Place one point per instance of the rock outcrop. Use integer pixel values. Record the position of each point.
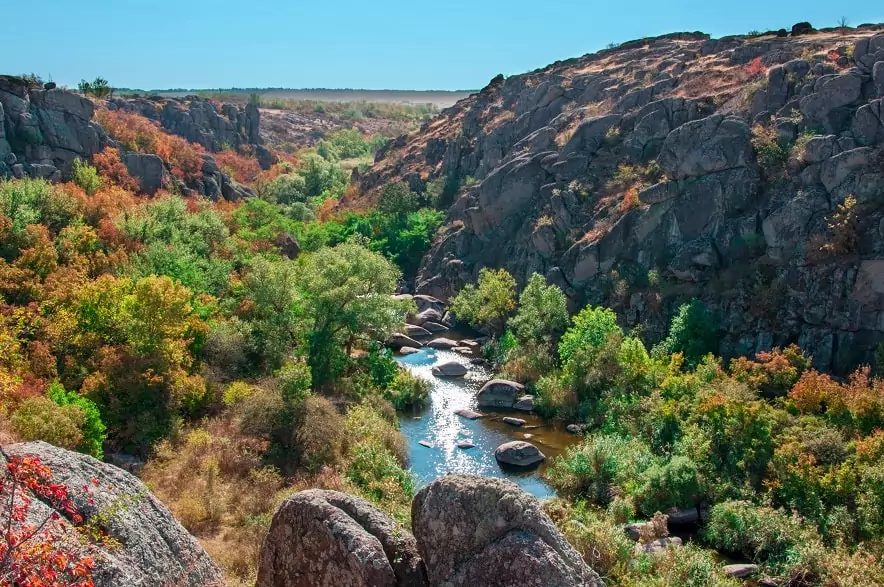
(481, 531)
(655, 158)
(468, 531)
(324, 538)
(42, 132)
(154, 549)
(199, 120)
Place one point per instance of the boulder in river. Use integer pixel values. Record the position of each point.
(468, 414)
(500, 393)
(399, 340)
(514, 421)
(320, 537)
(424, 302)
(465, 444)
(475, 531)
(434, 326)
(408, 350)
(576, 428)
(428, 315)
(416, 331)
(463, 350)
(524, 403)
(519, 454)
(450, 369)
(442, 343)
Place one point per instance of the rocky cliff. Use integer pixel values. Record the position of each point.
(746, 171)
(147, 545)
(42, 132)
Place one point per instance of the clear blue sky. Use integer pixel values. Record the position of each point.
(384, 44)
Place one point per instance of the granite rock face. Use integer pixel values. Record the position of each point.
(651, 157)
(154, 549)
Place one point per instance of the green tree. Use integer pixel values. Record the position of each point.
(489, 302)
(542, 314)
(93, 428)
(589, 331)
(346, 292)
(693, 332)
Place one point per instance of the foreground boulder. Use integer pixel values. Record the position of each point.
(154, 549)
(475, 531)
(324, 538)
(450, 369)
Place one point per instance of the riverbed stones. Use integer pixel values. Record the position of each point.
(576, 428)
(450, 369)
(500, 393)
(424, 302)
(434, 327)
(425, 443)
(399, 340)
(442, 343)
(475, 531)
(524, 403)
(407, 350)
(514, 421)
(416, 331)
(519, 453)
(465, 444)
(468, 414)
(428, 315)
(463, 350)
(320, 537)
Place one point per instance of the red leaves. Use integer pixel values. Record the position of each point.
(755, 67)
(39, 555)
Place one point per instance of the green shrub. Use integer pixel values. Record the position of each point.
(86, 176)
(693, 332)
(771, 155)
(758, 532)
(489, 302)
(294, 381)
(93, 429)
(688, 566)
(319, 435)
(589, 331)
(600, 467)
(664, 486)
(555, 397)
(543, 312)
(407, 391)
(39, 418)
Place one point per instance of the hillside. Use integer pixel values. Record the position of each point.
(675, 167)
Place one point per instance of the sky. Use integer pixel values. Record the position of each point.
(385, 44)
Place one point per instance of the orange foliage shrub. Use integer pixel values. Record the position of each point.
(110, 166)
(630, 200)
(857, 405)
(240, 167)
(754, 67)
(775, 371)
(138, 133)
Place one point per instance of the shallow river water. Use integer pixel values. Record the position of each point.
(438, 425)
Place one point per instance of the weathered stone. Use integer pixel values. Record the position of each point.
(416, 331)
(400, 340)
(499, 393)
(514, 421)
(658, 546)
(434, 327)
(154, 549)
(324, 538)
(479, 531)
(148, 169)
(465, 444)
(524, 403)
(288, 245)
(450, 369)
(519, 454)
(442, 343)
(706, 146)
(739, 570)
(407, 350)
(468, 414)
(831, 92)
(428, 315)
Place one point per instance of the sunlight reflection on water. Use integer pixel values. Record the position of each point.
(439, 425)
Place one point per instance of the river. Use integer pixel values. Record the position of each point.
(437, 424)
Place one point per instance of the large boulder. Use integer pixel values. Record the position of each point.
(831, 92)
(518, 453)
(154, 549)
(148, 169)
(442, 343)
(500, 393)
(705, 146)
(450, 369)
(480, 531)
(324, 538)
(398, 341)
